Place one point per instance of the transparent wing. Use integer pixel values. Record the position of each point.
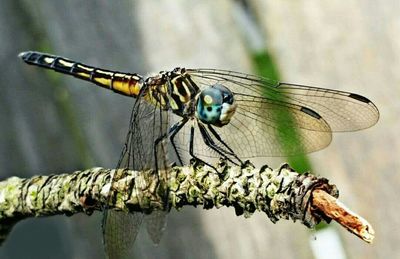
(270, 113)
(343, 111)
(155, 224)
(120, 229)
(160, 124)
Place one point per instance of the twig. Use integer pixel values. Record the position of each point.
(334, 209)
(280, 194)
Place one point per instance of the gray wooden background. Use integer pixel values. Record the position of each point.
(51, 123)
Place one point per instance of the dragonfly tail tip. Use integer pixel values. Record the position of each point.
(22, 54)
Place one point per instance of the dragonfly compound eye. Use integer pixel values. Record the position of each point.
(215, 105)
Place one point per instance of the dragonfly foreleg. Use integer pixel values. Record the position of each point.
(218, 137)
(211, 144)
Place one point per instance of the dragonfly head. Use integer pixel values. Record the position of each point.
(215, 105)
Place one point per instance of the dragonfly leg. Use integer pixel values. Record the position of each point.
(173, 131)
(218, 137)
(191, 148)
(211, 144)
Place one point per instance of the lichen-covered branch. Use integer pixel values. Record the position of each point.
(280, 193)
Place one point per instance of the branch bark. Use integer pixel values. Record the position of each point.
(280, 194)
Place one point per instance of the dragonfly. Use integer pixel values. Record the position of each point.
(207, 114)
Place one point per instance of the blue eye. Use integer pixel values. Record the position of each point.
(210, 103)
(208, 113)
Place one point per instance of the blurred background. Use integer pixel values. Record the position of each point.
(51, 123)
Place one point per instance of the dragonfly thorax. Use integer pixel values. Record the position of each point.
(215, 105)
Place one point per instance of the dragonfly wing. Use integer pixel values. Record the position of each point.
(147, 124)
(120, 230)
(256, 132)
(155, 224)
(276, 119)
(159, 124)
(268, 128)
(343, 111)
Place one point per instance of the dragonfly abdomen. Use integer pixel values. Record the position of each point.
(122, 83)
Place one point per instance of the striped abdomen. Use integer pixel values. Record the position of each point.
(123, 83)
